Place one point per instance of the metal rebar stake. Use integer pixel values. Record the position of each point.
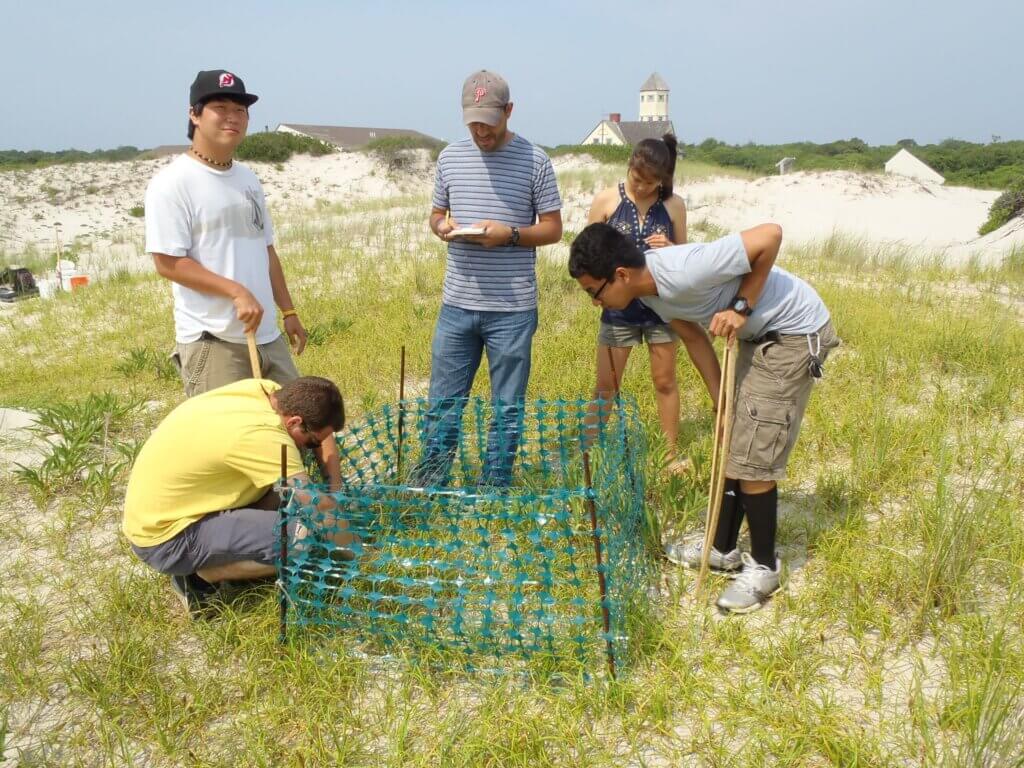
(601, 583)
(630, 469)
(283, 634)
(401, 418)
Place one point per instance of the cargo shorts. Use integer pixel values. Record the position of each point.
(773, 385)
(209, 362)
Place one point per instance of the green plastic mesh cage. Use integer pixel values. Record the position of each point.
(481, 528)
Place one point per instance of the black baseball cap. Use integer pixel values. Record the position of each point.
(214, 83)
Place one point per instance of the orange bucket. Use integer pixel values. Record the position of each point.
(79, 281)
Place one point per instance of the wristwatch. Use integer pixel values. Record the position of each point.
(741, 306)
(513, 239)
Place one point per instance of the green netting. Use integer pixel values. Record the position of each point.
(471, 530)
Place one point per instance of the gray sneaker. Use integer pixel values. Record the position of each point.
(689, 556)
(752, 587)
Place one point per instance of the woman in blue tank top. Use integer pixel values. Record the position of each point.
(644, 208)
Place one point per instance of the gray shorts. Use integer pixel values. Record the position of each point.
(632, 335)
(218, 539)
(773, 385)
(210, 362)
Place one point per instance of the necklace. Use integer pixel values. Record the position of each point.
(210, 160)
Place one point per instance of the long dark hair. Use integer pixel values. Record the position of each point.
(657, 157)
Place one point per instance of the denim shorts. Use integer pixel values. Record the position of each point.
(633, 335)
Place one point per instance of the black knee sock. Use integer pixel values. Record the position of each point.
(762, 511)
(730, 516)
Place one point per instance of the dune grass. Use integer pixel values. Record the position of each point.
(897, 640)
(608, 174)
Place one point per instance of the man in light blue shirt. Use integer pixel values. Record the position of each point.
(504, 187)
(731, 287)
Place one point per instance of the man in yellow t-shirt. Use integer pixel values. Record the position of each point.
(200, 505)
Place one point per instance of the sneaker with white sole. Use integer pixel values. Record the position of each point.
(689, 556)
(752, 587)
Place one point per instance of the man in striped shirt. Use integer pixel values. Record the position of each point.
(496, 182)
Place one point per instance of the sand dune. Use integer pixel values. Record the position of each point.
(98, 205)
(887, 210)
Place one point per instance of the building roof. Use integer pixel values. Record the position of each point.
(907, 164)
(348, 137)
(654, 83)
(635, 131)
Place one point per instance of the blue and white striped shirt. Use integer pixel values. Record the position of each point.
(512, 185)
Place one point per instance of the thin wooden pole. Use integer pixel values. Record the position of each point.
(719, 456)
(401, 416)
(283, 635)
(254, 355)
(601, 583)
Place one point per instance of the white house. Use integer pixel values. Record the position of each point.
(905, 164)
(654, 121)
(619, 133)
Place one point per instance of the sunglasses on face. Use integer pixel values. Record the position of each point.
(312, 440)
(597, 294)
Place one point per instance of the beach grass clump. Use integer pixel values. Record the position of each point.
(398, 153)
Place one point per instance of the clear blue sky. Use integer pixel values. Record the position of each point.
(101, 74)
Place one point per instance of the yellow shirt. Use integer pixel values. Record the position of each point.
(218, 450)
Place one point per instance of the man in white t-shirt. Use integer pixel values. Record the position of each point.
(731, 287)
(210, 234)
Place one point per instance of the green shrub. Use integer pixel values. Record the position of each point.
(277, 146)
(394, 151)
(603, 153)
(986, 166)
(1006, 206)
(138, 211)
(12, 159)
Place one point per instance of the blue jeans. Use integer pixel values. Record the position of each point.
(460, 337)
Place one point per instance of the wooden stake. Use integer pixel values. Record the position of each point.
(254, 355)
(601, 583)
(719, 456)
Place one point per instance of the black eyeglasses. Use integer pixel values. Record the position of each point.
(313, 440)
(597, 294)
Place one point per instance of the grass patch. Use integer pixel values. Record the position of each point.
(898, 639)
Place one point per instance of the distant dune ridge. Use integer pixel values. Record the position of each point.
(101, 203)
